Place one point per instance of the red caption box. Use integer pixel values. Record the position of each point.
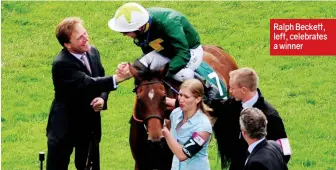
(303, 37)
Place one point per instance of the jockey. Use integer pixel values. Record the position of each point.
(164, 35)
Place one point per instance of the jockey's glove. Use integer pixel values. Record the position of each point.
(211, 92)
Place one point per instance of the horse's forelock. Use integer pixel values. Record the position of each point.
(144, 72)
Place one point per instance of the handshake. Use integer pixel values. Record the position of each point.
(123, 72)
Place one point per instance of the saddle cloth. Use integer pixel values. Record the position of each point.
(207, 72)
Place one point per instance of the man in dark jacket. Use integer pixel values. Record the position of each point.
(263, 154)
(81, 92)
(245, 94)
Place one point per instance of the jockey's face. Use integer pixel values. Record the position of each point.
(130, 34)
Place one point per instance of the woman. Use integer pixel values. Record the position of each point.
(190, 129)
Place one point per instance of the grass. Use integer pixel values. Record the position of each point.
(301, 88)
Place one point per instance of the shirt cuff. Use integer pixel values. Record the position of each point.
(114, 82)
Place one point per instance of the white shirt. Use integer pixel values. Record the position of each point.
(78, 56)
(253, 145)
(251, 102)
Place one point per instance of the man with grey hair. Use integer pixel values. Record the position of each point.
(264, 154)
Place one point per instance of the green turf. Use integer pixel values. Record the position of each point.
(301, 88)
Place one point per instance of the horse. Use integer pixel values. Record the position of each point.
(149, 148)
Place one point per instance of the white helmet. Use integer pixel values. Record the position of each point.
(129, 17)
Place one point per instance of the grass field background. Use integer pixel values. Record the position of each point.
(301, 88)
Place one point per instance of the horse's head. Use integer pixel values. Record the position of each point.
(150, 99)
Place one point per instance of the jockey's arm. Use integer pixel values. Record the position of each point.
(178, 40)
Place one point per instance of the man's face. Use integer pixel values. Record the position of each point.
(236, 91)
(129, 34)
(79, 40)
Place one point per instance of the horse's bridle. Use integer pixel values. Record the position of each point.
(151, 115)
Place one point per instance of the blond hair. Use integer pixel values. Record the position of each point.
(245, 77)
(197, 90)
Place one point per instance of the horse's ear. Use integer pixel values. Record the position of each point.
(134, 72)
(164, 70)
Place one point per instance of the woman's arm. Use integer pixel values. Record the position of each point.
(177, 149)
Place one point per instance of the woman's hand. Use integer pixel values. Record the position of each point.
(165, 132)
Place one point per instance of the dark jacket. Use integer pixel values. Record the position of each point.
(267, 155)
(231, 145)
(71, 114)
(172, 35)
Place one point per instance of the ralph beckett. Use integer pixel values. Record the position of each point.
(297, 26)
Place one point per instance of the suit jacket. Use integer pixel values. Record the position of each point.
(71, 114)
(267, 155)
(231, 145)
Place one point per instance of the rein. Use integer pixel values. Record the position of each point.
(171, 87)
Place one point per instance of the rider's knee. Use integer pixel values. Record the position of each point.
(184, 74)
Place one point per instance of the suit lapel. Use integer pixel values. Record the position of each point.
(70, 58)
(258, 147)
(67, 56)
(260, 101)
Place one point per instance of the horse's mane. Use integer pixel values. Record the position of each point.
(145, 73)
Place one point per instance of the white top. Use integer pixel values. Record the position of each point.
(251, 102)
(253, 145)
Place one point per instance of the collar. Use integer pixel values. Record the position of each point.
(147, 27)
(78, 56)
(251, 102)
(143, 41)
(253, 145)
(193, 118)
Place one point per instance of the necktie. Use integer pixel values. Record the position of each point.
(86, 62)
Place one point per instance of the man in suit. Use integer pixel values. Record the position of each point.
(244, 94)
(81, 92)
(264, 154)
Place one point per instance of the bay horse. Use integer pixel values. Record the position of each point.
(149, 149)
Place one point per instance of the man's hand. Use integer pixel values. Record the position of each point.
(123, 72)
(120, 67)
(97, 104)
(170, 103)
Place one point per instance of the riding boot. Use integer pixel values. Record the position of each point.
(210, 90)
